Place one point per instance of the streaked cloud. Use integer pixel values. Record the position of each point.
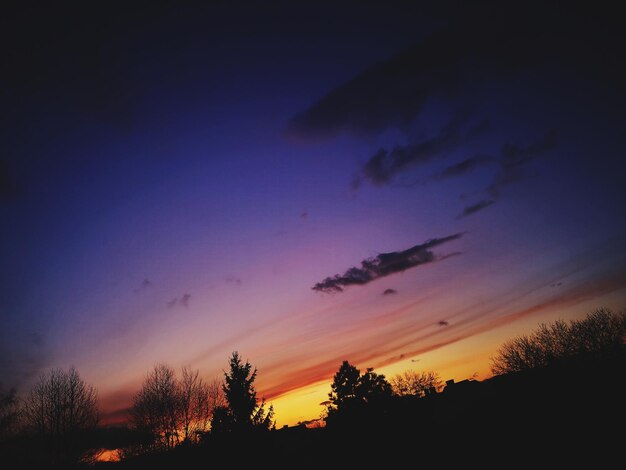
(384, 265)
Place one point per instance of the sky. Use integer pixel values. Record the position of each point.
(404, 185)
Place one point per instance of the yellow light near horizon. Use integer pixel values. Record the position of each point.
(108, 455)
(301, 405)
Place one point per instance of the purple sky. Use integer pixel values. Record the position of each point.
(304, 183)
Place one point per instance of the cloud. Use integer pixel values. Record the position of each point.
(183, 301)
(473, 46)
(233, 280)
(465, 166)
(513, 158)
(383, 165)
(442, 323)
(473, 208)
(145, 284)
(383, 265)
(390, 292)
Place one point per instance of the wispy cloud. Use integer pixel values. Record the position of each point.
(145, 284)
(473, 208)
(183, 301)
(233, 280)
(383, 265)
(511, 162)
(465, 166)
(384, 165)
(513, 159)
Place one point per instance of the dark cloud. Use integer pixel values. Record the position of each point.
(513, 158)
(511, 162)
(390, 292)
(465, 166)
(145, 284)
(383, 265)
(442, 323)
(472, 209)
(183, 301)
(475, 43)
(304, 215)
(383, 165)
(233, 280)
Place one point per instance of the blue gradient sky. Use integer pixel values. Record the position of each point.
(175, 181)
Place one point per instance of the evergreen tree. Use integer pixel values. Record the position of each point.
(243, 413)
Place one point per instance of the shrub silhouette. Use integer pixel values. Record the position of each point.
(600, 334)
(412, 383)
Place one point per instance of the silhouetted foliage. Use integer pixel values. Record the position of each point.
(9, 413)
(373, 387)
(243, 413)
(412, 383)
(351, 391)
(59, 411)
(343, 387)
(599, 334)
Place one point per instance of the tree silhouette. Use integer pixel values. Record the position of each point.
(344, 387)
(197, 401)
(59, 410)
(9, 412)
(156, 408)
(243, 413)
(373, 387)
(412, 383)
(351, 391)
(600, 334)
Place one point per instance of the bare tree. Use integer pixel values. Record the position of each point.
(602, 332)
(9, 412)
(197, 402)
(156, 407)
(415, 383)
(59, 409)
(216, 394)
(172, 410)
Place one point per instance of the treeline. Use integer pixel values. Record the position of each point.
(56, 422)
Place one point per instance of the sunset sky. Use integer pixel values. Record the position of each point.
(402, 186)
